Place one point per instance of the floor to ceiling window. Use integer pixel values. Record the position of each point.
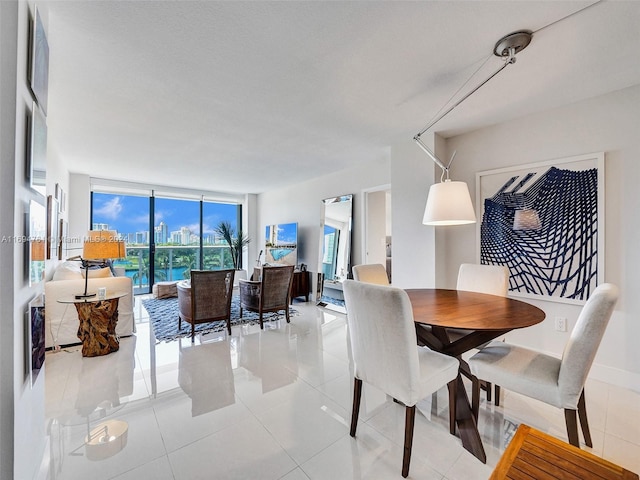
(181, 237)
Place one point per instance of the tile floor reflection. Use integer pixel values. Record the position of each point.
(275, 404)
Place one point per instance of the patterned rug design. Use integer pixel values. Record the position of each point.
(163, 316)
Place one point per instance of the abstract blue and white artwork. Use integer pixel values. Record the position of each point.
(545, 222)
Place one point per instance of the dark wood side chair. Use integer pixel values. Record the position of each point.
(207, 299)
(271, 293)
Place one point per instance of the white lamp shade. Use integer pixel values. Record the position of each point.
(527, 219)
(449, 203)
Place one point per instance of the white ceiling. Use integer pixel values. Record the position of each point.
(249, 96)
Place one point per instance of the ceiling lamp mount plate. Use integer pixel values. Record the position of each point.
(512, 43)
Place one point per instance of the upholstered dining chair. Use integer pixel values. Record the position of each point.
(386, 355)
(489, 279)
(269, 294)
(207, 298)
(556, 381)
(370, 273)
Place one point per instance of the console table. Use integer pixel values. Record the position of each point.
(300, 284)
(98, 319)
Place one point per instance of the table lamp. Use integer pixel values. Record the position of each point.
(99, 245)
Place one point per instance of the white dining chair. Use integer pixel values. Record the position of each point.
(489, 279)
(555, 381)
(371, 273)
(386, 355)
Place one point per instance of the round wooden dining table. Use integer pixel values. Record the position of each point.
(483, 318)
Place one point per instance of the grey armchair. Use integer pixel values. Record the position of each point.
(269, 294)
(556, 381)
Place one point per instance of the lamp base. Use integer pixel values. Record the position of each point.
(85, 295)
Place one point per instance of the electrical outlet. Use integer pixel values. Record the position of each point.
(561, 324)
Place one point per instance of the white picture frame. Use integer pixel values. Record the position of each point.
(545, 222)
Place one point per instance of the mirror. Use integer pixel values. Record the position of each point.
(334, 263)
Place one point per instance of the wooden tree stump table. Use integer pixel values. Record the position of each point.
(97, 328)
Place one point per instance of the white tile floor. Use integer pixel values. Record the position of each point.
(276, 405)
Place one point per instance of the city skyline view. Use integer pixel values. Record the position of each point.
(129, 216)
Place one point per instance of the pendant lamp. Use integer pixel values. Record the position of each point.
(449, 202)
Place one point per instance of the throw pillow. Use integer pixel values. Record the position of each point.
(98, 273)
(67, 271)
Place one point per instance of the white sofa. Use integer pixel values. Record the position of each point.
(61, 319)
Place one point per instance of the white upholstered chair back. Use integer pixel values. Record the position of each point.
(371, 273)
(490, 279)
(385, 353)
(583, 343)
(383, 339)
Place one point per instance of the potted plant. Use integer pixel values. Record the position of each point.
(236, 242)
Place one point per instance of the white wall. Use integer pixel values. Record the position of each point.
(608, 123)
(8, 74)
(22, 440)
(413, 250)
(301, 203)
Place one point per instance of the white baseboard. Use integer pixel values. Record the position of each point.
(615, 376)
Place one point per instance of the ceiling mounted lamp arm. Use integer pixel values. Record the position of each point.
(449, 203)
(507, 47)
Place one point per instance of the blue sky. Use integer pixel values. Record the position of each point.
(287, 232)
(130, 214)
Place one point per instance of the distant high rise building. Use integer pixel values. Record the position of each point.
(161, 233)
(208, 239)
(142, 238)
(176, 237)
(100, 226)
(186, 236)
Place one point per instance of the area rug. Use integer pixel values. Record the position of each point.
(163, 317)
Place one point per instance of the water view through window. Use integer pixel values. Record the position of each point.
(179, 243)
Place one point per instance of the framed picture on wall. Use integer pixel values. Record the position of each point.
(545, 222)
(36, 336)
(37, 150)
(39, 65)
(52, 228)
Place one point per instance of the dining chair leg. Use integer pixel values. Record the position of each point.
(489, 389)
(286, 313)
(261, 323)
(229, 325)
(193, 332)
(357, 394)
(475, 397)
(584, 423)
(497, 396)
(453, 393)
(572, 426)
(410, 417)
(179, 322)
